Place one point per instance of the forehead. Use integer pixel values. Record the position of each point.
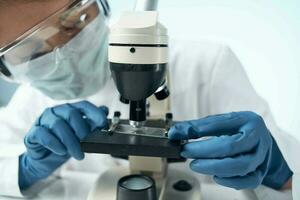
(18, 16)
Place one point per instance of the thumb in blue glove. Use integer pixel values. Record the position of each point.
(55, 138)
(239, 152)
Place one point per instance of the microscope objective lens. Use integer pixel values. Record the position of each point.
(137, 183)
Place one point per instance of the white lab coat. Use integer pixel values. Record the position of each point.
(206, 78)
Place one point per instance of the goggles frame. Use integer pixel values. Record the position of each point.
(104, 6)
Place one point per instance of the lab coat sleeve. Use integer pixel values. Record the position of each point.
(15, 121)
(9, 178)
(231, 90)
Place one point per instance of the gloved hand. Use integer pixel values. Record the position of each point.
(55, 138)
(239, 152)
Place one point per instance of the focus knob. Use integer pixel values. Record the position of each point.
(162, 94)
(123, 100)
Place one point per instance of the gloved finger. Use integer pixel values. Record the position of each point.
(62, 131)
(75, 119)
(40, 138)
(249, 181)
(97, 117)
(210, 126)
(105, 109)
(220, 147)
(230, 166)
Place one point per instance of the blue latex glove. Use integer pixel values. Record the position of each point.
(55, 138)
(240, 152)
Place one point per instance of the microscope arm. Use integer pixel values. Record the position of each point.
(146, 5)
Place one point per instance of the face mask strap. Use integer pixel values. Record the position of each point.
(3, 69)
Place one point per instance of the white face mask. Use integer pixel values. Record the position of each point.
(78, 69)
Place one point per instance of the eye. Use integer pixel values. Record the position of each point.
(74, 19)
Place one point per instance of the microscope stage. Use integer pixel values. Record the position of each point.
(128, 141)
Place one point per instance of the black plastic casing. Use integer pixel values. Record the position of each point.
(136, 82)
(142, 194)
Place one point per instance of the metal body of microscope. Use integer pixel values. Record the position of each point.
(138, 56)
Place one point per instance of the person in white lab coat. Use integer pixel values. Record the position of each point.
(63, 60)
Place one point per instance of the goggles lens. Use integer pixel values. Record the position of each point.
(53, 33)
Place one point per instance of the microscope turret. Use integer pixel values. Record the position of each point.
(138, 56)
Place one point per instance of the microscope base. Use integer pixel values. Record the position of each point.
(106, 186)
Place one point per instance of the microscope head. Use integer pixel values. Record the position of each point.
(138, 57)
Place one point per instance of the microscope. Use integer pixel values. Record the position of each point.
(138, 57)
